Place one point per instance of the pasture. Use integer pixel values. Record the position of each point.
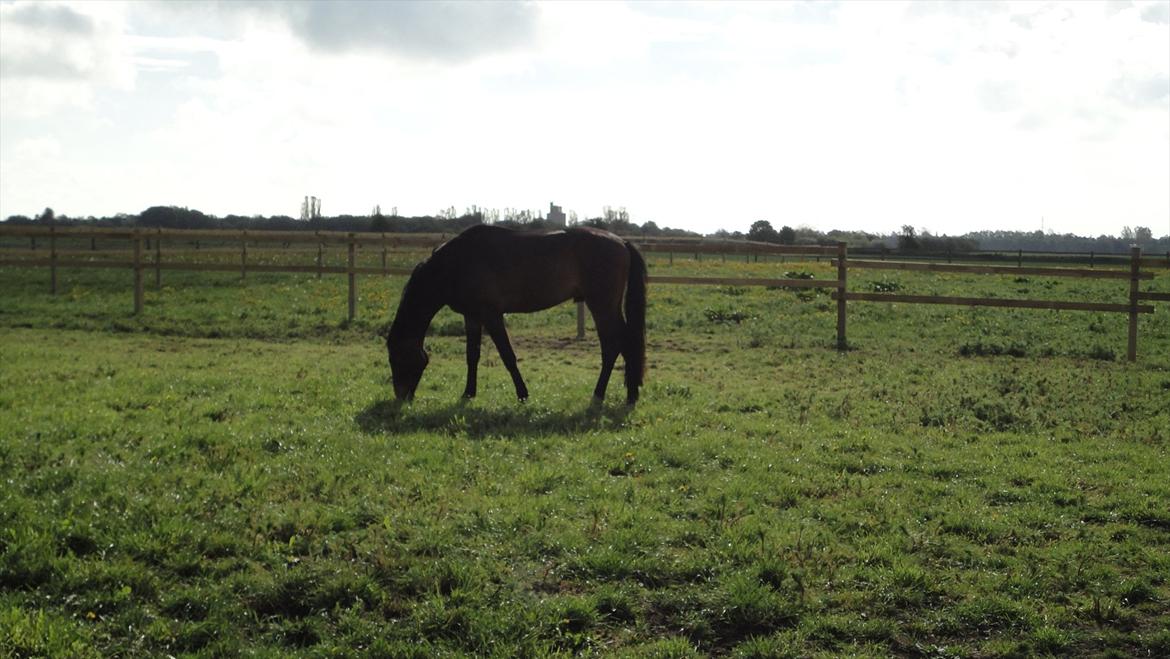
(225, 475)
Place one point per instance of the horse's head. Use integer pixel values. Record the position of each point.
(408, 359)
(404, 342)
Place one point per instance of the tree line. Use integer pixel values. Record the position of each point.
(910, 239)
(618, 220)
(446, 221)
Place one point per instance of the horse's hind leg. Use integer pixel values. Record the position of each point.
(609, 331)
(474, 331)
(499, 334)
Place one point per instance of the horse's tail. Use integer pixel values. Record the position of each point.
(634, 343)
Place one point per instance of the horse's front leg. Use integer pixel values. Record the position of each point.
(499, 334)
(474, 330)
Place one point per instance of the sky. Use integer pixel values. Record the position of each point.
(948, 117)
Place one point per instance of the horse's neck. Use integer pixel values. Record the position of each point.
(420, 319)
(420, 309)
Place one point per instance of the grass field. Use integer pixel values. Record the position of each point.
(225, 475)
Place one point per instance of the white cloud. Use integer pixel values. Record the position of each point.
(1157, 13)
(952, 116)
(55, 56)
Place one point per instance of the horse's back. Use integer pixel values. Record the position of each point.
(517, 271)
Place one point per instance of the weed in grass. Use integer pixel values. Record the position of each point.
(884, 286)
(726, 315)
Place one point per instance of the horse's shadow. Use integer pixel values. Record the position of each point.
(466, 419)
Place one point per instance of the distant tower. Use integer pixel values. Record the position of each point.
(310, 208)
(556, 216)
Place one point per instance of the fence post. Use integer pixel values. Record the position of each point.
(1020, 258)
(1135, 261)
(383, 252)
(842, 344)
(1091, 259)
(243, 254)
(320, 256)
(137, 272)
(157, 259)
(52, 260)
(352, 283)
(580, 320)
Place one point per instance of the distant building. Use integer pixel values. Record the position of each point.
(556, 216)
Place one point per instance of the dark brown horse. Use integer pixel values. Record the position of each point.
(486, 272)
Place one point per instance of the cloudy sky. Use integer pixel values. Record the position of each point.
(855, 115)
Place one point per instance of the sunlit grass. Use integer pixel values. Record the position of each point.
(226, 474)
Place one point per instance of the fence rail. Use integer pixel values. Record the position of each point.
(228, 235)
(141, 240)
(1010, 303)
(1018, 256)
(998, 270)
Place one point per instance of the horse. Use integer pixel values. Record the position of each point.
(488, 271)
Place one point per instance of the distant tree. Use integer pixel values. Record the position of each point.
(623, 227)
(46, 216)
(787, 235)
(649, 228)
(379, 223)
(762, 231)
(173, 217)
(907, 239)
(1142, 235)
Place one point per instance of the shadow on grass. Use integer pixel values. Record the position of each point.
(394, 417)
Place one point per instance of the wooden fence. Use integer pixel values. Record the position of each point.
(142, 241)
(1133, 307)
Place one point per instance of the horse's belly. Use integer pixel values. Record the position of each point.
(535, 301)
(491, 294)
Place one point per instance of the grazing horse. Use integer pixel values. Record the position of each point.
(486, 272)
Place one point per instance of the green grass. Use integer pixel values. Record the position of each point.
(225, 475)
